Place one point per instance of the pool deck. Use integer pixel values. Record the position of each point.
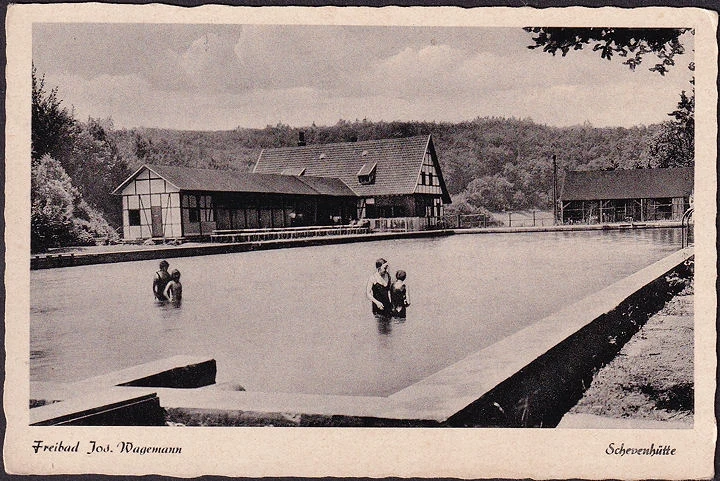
(530, 378)
(127, 253)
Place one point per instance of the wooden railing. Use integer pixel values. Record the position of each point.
(256, 235)
(405, 224)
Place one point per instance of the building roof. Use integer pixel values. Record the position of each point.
(397, 163)
(209, 180)
(628, 184)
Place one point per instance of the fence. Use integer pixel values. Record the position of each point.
(502, 219)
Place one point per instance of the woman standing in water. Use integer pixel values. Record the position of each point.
(161, 279)
(378, 289)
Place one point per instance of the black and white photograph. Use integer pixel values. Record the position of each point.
(360, 241)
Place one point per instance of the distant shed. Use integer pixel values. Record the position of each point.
(635, 195)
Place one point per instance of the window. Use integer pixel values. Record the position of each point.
(194, 214)
(366, 174)
(134, 217)
(206, 209)
(438, 207)
(199, 208)
(391, 211)
(190, 204)
(422, 178)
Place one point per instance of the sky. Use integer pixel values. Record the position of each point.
(221, 77)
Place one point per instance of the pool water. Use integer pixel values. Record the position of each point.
(297, 320)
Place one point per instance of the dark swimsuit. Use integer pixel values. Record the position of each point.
(380, 293)
(161, 280)
(398, 300)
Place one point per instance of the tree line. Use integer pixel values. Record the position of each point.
(489, 163)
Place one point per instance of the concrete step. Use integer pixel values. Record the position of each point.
(180, 372)
(110, 407)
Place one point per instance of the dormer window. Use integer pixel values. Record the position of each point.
(366, 174)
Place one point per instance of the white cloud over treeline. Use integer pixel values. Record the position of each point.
(222, 76)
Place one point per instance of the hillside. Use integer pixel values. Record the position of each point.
(489, 162)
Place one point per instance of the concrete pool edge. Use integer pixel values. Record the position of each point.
(51, 261)
(532, 377)
(527, 379)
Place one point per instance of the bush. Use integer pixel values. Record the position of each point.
(59, 216)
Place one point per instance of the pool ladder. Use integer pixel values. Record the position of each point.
(685, 228)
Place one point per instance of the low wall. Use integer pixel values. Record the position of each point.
(568, 228)
(50, 261)
(105, 401)
(542, 392)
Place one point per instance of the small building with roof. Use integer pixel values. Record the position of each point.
(313, 185)
(635, 195)
(162, 201)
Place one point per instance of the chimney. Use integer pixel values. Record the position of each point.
(301, 138)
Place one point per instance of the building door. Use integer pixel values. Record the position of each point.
(156, 214)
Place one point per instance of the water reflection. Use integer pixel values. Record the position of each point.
(385, 324)
(174, 304)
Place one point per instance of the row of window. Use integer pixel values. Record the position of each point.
(199, 208)
(426, 178)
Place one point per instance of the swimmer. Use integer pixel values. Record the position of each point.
(173, 290)
(399, 295)
(162, 277)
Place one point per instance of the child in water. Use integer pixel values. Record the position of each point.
(399, 295)
(173, 290)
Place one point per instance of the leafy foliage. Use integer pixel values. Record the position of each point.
(96, 167)
(674, 144)
(75, 167)
(630, 43)
(58, 214)
(488, 162)
(53, 127)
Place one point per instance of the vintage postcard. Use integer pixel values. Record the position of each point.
(352, 241)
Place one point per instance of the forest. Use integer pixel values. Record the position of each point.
(489, 163)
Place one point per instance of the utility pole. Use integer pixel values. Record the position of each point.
(554, 159)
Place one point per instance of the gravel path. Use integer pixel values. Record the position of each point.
(649, 384)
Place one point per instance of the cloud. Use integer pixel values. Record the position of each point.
(211, 64)
(223, 76)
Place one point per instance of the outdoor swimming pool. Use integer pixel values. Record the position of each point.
(297, 320)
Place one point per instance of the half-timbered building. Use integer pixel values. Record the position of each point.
(161, 201)
(313, 185)
(390, 177)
